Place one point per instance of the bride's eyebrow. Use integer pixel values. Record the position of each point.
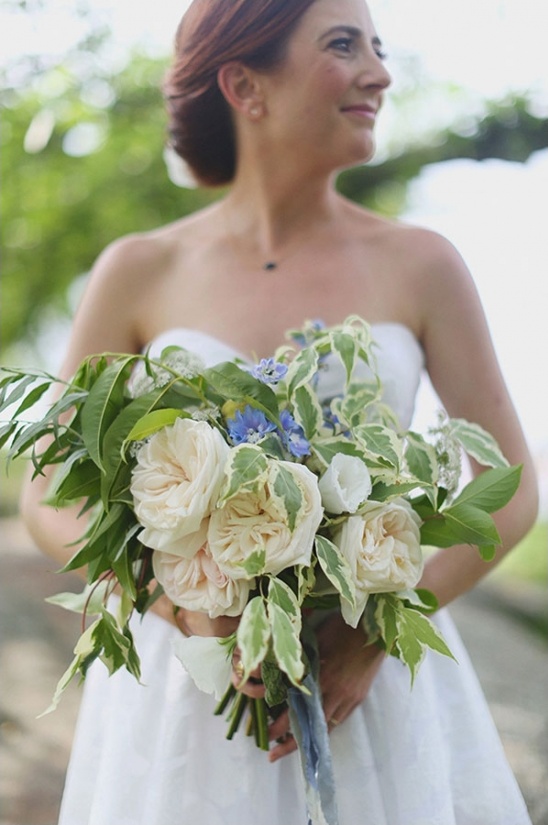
(352, 31)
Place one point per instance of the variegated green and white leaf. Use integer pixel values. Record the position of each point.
(352, 408)
(420, 457)
(286, 643)
(289, 493)
(478, 443)
(301, 370)
(306, 579)
(281, 594)
(344, 344)
(416, 633)
(307, 411)
(336, 568)
(385, 620)
(381, 443)
(253, 635)
(246, 469)
(325, 449)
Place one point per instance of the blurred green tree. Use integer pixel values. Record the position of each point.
(82, 164)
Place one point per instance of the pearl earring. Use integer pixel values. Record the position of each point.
(255, 111)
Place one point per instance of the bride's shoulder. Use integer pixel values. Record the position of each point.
(421, 255)
(141, 261)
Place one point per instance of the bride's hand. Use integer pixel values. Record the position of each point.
(347, 669)
(191, 623)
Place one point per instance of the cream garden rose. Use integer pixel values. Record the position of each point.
(252, 521)
(176, 483)
(382, 548)
(345, 484)
(198, 584)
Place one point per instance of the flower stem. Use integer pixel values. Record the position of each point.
(238, 710)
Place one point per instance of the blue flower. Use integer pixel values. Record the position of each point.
(292, 435)
(249, 426)
(309, 332)
(269, 371)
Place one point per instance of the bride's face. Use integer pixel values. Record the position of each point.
(326, 95)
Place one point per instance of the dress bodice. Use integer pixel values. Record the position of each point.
(399, 357)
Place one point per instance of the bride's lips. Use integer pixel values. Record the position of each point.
(361, 110)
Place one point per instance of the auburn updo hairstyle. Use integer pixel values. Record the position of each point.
(211, 34)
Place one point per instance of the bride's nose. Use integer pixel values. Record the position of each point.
(374, 74)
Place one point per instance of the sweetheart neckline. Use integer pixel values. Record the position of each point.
(239, 354)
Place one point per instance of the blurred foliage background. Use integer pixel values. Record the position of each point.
(83, 163)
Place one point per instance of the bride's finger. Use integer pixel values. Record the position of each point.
(279, 728)
(287, 746)
(253, 686)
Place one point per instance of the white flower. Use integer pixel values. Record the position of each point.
(345, 485)
(176, 483)
(176, 359)
(198, 584)
(205, 660)
(251, 522)
(382, 547)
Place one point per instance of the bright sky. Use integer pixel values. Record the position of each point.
(491, 211)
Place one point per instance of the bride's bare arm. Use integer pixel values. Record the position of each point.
(464, 370)
(108, 320)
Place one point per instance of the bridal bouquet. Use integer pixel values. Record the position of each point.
(238, 490)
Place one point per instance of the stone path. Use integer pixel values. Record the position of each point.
(505, 631)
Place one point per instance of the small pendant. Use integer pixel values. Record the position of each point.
(269, 266)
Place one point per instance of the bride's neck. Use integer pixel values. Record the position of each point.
(272, 206)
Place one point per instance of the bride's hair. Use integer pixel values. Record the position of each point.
(212, 33)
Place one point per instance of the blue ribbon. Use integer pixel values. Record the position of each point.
(309, 728)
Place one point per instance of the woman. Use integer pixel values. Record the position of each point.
(275, 97)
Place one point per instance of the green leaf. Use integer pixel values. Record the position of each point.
(488, 553)
(307, 411)
(90, 600)
(75, 479)
(253, 635)
(474, 526)
(32, 398)
(86, 651)
(7, 431)
(336, 568)
(236, 384)
(478, 443)
(275, 687)
(492, 489)
(117, 648)
(286, 643)
(289, 493)
(154, 421)
(246, 469)
(104, 402)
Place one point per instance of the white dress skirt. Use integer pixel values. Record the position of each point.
(154, 753)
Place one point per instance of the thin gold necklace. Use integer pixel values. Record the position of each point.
(268, 266)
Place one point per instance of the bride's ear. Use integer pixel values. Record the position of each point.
(241, 90)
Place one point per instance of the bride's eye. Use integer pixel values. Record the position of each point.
(342, 44)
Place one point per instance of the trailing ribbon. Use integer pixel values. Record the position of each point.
(309, 728)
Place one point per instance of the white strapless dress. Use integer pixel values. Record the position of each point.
(154, 754)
